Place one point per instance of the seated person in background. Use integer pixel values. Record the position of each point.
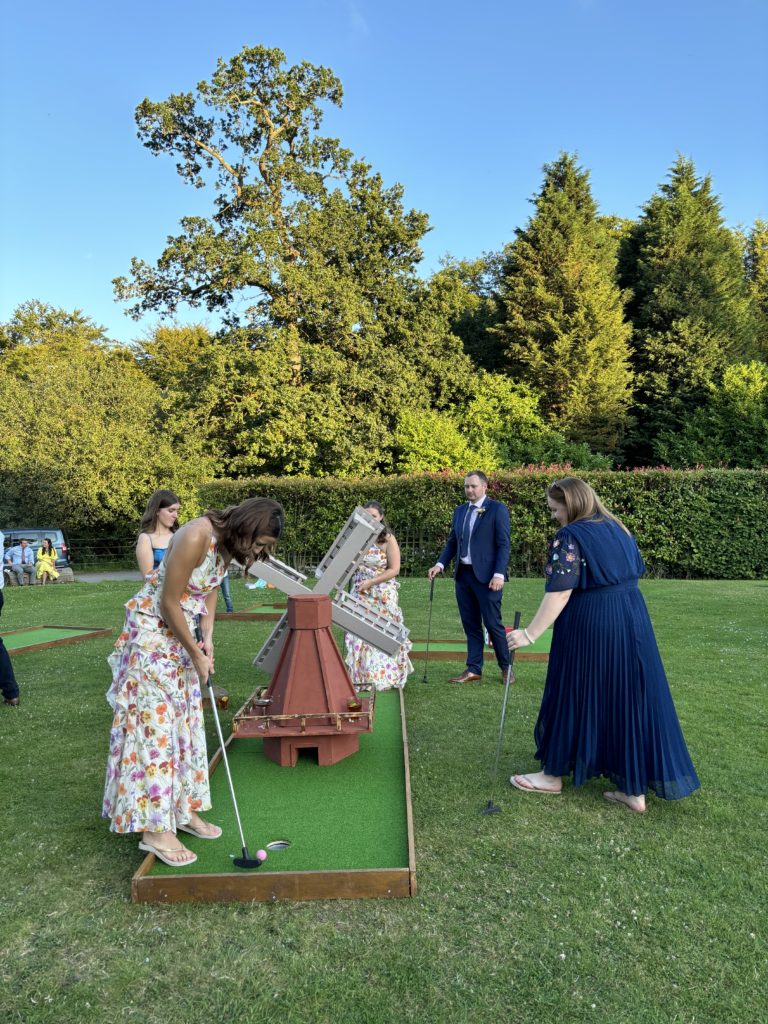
(21, 561)
(46, 562)
(8, 685)
(157, 526)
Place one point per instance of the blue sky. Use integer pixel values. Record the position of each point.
(461, 103)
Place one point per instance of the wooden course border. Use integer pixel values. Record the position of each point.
(93, 633)
(270, 886)
(460, 653)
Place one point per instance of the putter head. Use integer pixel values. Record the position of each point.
(491, 808)
(247, 862)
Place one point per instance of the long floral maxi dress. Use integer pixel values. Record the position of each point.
(157, 769)
(370, 668)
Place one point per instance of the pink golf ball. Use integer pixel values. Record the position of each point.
(261, 855)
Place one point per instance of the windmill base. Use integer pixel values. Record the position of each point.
(330, 749)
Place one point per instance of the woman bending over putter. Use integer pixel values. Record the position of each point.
(157, 770)
(606, 709)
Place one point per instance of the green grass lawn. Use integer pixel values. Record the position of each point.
(556, 910)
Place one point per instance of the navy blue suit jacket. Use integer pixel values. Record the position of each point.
(490, 543)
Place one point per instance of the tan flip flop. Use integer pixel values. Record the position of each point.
(196, 832)
(163, 855)
(531, 787)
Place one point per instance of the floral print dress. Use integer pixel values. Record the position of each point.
(370, 668)
(157, 769)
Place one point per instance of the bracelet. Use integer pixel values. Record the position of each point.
(527, 635)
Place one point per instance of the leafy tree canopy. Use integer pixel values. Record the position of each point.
(85, 435)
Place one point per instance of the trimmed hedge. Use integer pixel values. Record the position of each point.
(690, 524)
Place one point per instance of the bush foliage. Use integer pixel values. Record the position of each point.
(690, 524)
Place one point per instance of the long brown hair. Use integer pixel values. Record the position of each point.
(160, 499)
(580, 500)
(385, 529)
(238, 527)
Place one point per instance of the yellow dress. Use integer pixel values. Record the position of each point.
(46, 562)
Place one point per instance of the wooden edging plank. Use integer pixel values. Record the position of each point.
(269, 886)
(408, 808)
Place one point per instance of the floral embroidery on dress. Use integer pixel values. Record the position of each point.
(370, 668)
(564, 562)
(157, 768)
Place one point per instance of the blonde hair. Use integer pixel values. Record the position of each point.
(580, 500)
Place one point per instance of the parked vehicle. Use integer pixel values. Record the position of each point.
(36, 535)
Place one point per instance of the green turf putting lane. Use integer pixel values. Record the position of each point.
(39, 638)
(348, 825)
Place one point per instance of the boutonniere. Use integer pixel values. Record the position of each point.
(481, 511)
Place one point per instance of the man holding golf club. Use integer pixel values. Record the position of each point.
(480, 543)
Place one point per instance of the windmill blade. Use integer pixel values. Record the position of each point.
(343, 556)
(283, 577)
(269, 654)
(357, 618)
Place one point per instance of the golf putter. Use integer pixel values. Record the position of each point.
(491, 807)
(429, 627)
(246, 861)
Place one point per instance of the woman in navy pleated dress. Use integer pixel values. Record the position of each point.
(606, 709)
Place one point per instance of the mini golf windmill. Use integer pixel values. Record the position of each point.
(310, 701)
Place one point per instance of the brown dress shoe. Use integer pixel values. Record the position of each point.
(13, 701)
(466, 677)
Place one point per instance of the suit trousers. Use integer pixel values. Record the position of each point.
(8, 683)
(479, 605)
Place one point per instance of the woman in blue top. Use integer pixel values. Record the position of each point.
(606, 709)
(158, 524)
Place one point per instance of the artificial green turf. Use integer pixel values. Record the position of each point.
(345, 816)
(42, 635)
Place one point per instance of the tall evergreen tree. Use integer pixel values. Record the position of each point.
(562, 314)
(756, 268)
(690, 307)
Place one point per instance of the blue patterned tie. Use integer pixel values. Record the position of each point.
(465, 533)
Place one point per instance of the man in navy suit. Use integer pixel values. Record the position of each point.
(480, 543)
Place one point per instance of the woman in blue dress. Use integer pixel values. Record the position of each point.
(158, 524)
(607, 709)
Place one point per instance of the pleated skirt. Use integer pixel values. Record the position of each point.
(607, 709)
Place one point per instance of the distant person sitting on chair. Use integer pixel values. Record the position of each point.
(21, 561)
(46, 562)
(8, 684)
(158, 524)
